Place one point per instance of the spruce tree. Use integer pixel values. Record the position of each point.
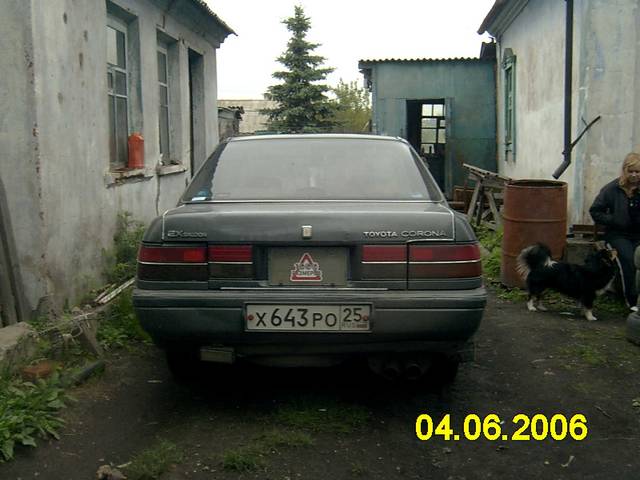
(302, 105)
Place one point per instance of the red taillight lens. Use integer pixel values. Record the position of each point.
(444, 253)
(231, 261)
(173, 264)
(388, 262)
(384, 253)
(444, 261)
(231, 253)
(172, 254)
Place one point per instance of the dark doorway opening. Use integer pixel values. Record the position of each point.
(426, 132)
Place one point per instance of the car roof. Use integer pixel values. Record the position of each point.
(315, 136)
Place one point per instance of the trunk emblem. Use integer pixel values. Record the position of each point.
(306, 270)
(307, 231)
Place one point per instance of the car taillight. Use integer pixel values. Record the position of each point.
(231, 261)
(172, 263)
(425, 261)
(173, 254)
(444, 261)
(384, 262)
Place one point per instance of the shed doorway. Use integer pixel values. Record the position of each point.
(426, 132)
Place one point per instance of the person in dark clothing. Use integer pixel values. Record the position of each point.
(617, 209)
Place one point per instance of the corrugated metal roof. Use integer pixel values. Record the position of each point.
(203, 6)
(421, 60)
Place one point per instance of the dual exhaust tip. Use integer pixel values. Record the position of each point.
(411, 369)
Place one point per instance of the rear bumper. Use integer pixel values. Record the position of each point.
(402, 321)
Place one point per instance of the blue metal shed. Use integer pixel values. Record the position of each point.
(446, 108)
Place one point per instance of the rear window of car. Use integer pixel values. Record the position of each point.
(312, 169)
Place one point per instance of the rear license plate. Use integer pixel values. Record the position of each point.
(312, 318)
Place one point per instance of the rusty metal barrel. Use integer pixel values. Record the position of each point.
(533, 211)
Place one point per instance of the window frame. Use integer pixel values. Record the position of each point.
(509, 76)
(440, 134)
(165, 156)
(115, 160)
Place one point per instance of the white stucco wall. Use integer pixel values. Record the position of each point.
(20, 164)
(536, 38)
(606, 80)
(61, 235)
(609, 77)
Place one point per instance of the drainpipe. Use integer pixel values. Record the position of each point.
(568, 78)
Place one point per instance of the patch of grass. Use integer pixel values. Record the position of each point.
(322, 415)
(613, 305)
(492, 242)
(358, 470)
(243, 459)
(119, 327)
(586, 353)
(253, 457)
(275, 439)
(151, 463)
(29, 410)
(510, 294)
(121, 259)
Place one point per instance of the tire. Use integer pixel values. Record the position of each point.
(444, 370)
(184, 364)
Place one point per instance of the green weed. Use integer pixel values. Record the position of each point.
(119, 327)
(151, 463)
(252, 457)
(358, 470)
(29, 410)
(322, 415)
(492, 258)
(121, 259)
(243, 459)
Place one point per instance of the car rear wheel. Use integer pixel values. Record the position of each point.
(444, 370)
(184, 364)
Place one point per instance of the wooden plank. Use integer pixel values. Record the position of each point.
(107, 298)
(494, 209)
(472, 203)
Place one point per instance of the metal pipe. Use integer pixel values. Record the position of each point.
(568, 78)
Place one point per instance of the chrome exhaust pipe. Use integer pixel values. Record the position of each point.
(391, 369)
(415, 369)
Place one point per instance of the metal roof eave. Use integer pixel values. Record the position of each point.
(501, 15)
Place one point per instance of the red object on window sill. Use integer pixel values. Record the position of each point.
(136, 151)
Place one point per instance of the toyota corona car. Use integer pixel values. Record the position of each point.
(297, 250)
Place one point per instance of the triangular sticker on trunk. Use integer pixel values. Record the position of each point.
(306, 270)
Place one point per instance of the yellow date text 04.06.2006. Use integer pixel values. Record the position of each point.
(491, 427)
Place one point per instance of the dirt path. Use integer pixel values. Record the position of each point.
(345, 424)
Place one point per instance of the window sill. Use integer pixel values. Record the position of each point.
(162, 170)
(119, 177)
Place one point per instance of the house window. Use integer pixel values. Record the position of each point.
(163, 112)
(117, 92)
(509, 68)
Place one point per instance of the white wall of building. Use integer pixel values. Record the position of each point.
(536, 38)
(64, 196)
(606, 81)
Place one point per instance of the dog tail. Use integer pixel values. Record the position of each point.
(533, 257)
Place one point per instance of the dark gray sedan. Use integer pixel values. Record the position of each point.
(300, 250)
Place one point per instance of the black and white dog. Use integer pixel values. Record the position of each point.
(582, 282)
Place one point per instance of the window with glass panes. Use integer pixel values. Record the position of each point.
(509, 67)
(117, 92)
(432, 127)
(163, 111)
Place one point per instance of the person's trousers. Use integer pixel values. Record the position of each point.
(625, 248)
